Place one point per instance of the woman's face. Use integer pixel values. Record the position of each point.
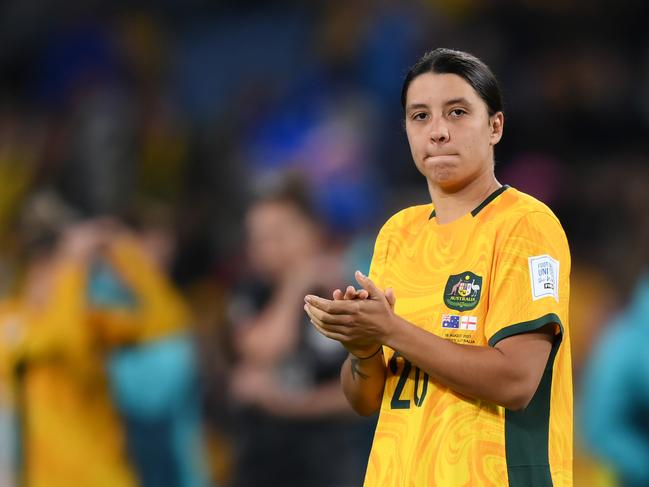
(279, 237)
(450, 132)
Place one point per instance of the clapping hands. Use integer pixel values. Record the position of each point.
(359, 319)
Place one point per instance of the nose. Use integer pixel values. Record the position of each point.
(439, 133)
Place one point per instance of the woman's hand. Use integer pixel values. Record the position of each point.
(360, 320)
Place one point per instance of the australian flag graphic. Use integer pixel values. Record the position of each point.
(450, 321)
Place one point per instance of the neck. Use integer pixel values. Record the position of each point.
(453, 204)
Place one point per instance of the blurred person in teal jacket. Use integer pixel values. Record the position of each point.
(615, 395)
(154, 379)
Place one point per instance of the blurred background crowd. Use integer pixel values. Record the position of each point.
(176, 175)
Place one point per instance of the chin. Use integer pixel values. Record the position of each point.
(444, 176)
(449, 183)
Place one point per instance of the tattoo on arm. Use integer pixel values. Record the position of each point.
(355, 371)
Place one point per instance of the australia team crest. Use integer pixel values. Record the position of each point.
(462, 291)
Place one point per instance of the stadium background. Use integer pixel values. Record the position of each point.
(178, 113)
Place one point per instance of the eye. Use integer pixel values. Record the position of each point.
(457, 112)
(419, 116)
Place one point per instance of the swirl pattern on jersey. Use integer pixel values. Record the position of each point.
(428, 435)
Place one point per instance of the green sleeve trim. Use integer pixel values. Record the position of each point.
(527, 434)
(527, 431)
(525, 327)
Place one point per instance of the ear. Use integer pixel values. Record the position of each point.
(496, 124)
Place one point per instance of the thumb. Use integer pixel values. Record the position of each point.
(367, 284)
(389, 295)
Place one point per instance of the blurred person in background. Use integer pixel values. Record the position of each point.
(152, 366)
(614, 405)
(8, 426)
(69, 431)
(96, 343)
(612, 372)
(293, 422)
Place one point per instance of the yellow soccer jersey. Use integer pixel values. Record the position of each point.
(500, 270)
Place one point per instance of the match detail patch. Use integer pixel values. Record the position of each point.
(544, 277)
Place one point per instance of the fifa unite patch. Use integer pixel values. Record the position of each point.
(544, 277)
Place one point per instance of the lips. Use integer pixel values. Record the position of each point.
(441, 158)
(440, 155)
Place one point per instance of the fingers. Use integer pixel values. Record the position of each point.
(329, 331)
(389, 295)
(354, 294)
(327, 318)
(367, 284)
(315, 320)
(328, 334)
(349, 294)
(335, 307)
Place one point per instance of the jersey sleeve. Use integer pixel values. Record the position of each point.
(380, 255)
(530, 280)
(378, 268)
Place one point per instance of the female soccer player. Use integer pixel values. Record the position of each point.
(460, 333)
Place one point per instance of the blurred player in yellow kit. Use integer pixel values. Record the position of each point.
(460, 334)
(54, 346)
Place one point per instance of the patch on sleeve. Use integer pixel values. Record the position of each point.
(544, 277)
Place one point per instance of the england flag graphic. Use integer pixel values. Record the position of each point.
(468, 322)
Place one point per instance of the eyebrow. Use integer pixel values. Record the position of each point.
(452, 101)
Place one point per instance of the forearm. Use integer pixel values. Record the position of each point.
(479, 372)
(507, 374)
(59, 328)
(160, 310)
(363, 382)
(273, 332)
